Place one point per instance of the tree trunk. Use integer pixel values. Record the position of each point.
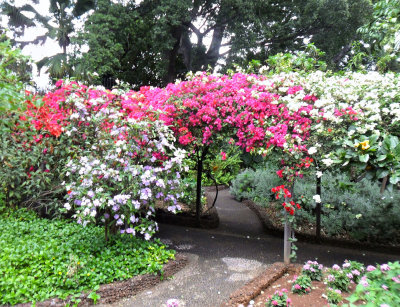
(212, 54)
(287, 244)
(384, 182)
(172, 55)
(288, 234)
(199, 166)
(318, 212)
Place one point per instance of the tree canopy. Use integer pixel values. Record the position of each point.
(155, 42)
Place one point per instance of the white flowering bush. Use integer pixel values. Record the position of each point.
(123, 169)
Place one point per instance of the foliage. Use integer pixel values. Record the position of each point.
(334, 296)
(256, 184)
(43, 259)
(301, 284)
(11, 87)
(154, 37)
(279, 299)
(313, 270)
(337, 278)
(380, 286)
(381, 36)
(63, 13)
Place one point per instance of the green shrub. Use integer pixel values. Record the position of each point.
(43, 258)
(357, 209)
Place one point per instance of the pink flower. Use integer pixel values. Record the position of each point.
(297, 287)
(370, 268)
(275, 303)
(59, 83)
(385, 287)
(223, 155)
(385, 267)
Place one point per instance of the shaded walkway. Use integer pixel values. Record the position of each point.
(223, 259)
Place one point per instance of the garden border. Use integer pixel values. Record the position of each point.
(271, 229)
(253, 288)
(115, 291)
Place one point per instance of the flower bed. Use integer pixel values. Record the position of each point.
(350, 284)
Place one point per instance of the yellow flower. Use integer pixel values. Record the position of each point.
(365, 145)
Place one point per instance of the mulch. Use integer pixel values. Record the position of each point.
(253, 288)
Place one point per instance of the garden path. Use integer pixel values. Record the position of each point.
(223, 259)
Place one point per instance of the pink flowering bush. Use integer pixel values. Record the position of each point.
(301, 284)
(279, 299)
(313, 270)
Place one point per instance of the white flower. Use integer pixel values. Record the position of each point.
(328, 162)
(319, 174)
(317, 198)
(312, 150)
(67, 206)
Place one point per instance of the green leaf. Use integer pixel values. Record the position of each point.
(394, 179)
(382, 173)
(381, 158)
(364, 158)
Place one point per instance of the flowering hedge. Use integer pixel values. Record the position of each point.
(123, 142)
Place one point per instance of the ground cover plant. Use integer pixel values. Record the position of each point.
(43, 258)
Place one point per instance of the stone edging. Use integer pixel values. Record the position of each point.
(271, 229)
(253, 288)
(115, 291)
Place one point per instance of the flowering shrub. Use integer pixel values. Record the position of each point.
(380, 286)
(353, 270)
(122, 171)
(337, 278)
(313, 270)
(279, 299)
(301, 284)
(334, 296)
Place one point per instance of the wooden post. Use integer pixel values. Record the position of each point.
(287, 244)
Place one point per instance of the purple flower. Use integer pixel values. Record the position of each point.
(90, 194)
(130, 230)
(346, 265)
(336, 267)
(331, 278)
(349, 275)
(77, 202)
(116, 217)
(106, 215)
(115, 208)
(120, 222)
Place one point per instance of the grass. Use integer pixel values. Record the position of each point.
(41, 258)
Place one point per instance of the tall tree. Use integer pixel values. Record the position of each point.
(177, 36)
(62, 13)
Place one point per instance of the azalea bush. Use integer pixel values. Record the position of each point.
(301, 284)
